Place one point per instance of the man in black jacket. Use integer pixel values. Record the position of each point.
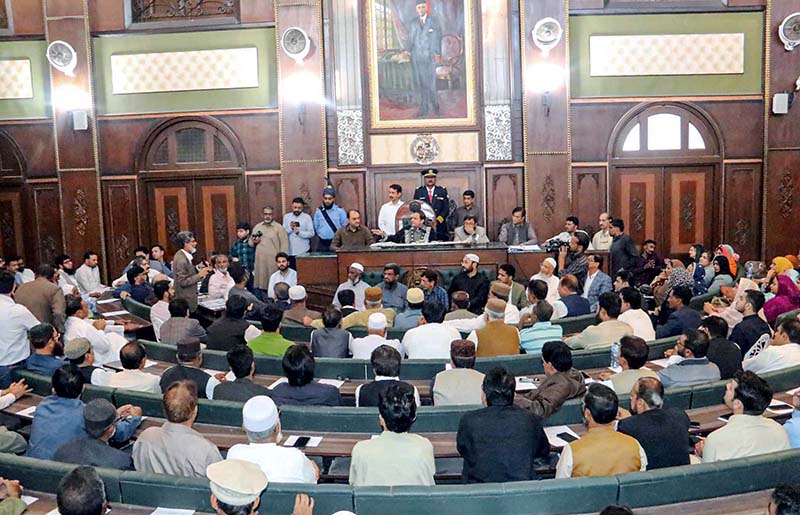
(683, 318)
(721, 351)
(500, 442)
(662, 433)
(752, 328)
(472, 282)
(242, 389)
(227, 332)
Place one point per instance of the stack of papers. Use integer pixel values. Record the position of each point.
(524, 248)
(214, 305)
(779, 407)
(27, 412)
(525, 384)
(555, 434)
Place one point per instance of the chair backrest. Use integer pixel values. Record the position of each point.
(577, 324)
(698, 301)
(221, 413)
(430, 419)
(136, 308)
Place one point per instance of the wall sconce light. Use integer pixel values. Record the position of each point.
(80, 120)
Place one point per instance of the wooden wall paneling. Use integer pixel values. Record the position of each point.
(45, 208)
(118, 141)
(741, 124)
(636, 196)
(82, 219)
(378, 192)
(504, 191)
(783, 203)
(107, 15)
(256, 11)
(219, 214)
(35, 143)
(784, 129)
(60, 8)
(11, 215)
(264, 190)
(253, 130)
(170, 204)
(548, 197)
(351, 194)
(28, 18)
(121, 222)
(589, 195)
(591, 127)
(742, 217)
(690, 216)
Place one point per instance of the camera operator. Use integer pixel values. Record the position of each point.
(572, 260)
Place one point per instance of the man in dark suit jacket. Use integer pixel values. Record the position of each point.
(44, 298)
(721, 351)
(186, 275)
(190, 358)
(683, 318)
(424, 47)
(179, 326)
(500, 442)
(662, 433)
(300, 389)
(242, 389)
(227, 332)
(436, 196)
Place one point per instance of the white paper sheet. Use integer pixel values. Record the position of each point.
(313, 441)
(107, 301)
(552, 433)
(150, 363)
(660, 362)
(779, 407)
(276, 383)
(793, 391)
(27, 412)
(525, 384)
(121, 312)
(333, 382)
(28, 499)
(171, 511)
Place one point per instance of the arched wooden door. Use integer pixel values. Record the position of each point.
(193, 174)
(12, 175)
(664, 162)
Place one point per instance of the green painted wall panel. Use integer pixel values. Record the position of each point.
(266, 95)
(39, 105)
(584, 86)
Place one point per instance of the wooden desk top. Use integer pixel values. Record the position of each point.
(133, 322)
(47, 502)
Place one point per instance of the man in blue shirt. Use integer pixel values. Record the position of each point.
(430, 285)
(792, 426)
(44, 339)
(328, 218)
(300, 229)
(542, 331)
(59, 417)
(137, 286)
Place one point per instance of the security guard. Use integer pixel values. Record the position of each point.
(436, 196)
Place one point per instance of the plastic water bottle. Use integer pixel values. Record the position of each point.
(614, 355)
(749, 270)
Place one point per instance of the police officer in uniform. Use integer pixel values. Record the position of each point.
(436, 196)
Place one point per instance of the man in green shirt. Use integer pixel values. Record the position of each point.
(270, 342)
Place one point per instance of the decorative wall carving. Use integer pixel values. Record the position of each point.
(786, 193)
(637, 212)
(15, 77)
(121, 246)
(498, 132)
(80, 215)
(160, 10)
(548, 198)
(48, 249)
(688, 211)
(220, 224)
(173, 221)
(7, 227)
(741, 235)
(350, 134)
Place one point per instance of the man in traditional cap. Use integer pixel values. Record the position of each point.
(472, 282)
(373, 303)
(270, 238)
(99, 416)
(459, 304)
(361, 348)
(355, 284)
(190, 357)
(409, 318)
(497, 290)
(424, 48)
(298, 312)
(496, 338)
(460, 384)
(262, 424)
(436, 196)
(328, 218)
(79, 352)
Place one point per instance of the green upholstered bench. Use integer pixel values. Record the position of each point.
(571, 325)
(43, 385)
(221, 413)
(712, 393)
(430, 419)
(521, 498)
(785, 316)
(136, 308)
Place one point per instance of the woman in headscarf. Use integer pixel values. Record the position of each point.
(787, 299)
(732, 257)
(793, 273)
(722, 275)
(780, 265)
(674, 275)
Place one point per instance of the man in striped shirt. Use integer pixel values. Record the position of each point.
(542, 331)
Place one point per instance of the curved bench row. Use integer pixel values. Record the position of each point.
(546, 497)
(411, 369)
(430, 419)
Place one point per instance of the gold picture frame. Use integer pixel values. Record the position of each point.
(383, 61)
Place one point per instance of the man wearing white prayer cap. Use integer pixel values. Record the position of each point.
(299, 312)
(471, 281)
(263, 426)
(547, 274)
(354, 283)
(361, 348)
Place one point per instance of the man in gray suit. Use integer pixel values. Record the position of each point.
(186, 274)
(460, 384)
(179, 326)
(424, 47)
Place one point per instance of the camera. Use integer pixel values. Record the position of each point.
(555, 245)
(258, 234)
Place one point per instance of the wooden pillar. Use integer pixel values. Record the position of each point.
(545, 118)
(76, 150)
(301, 92)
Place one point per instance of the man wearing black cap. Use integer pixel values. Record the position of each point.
(190, 358)
(436, 196)
(92, 449)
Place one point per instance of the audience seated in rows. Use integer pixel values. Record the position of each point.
(690, 365)
(373, 303)
(631, 313)
(270, 342)
(753, 331)
(298, 313)
(608, 331)
(570, 303)
(132, 376)
(458, 303)
(92, 448)
(179, 325)
(431, 339)
(80, 354)
(354, 284)
(721, 351)
(231, 329)
(300, 388)
(242, 388)
(393, 291)
(633, 353)
(548, 276)
(159, 312)
(470, 281)
(47, 350)
(106, 346)
(597, 281)
(782, 352)
(683, 318)
(410, 318)
(241, 276)
(429, 284)
(385, 362)
(459, 383)
(496, 337)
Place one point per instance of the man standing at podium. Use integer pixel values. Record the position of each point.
(436, 196)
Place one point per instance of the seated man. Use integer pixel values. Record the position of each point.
(373, 303)
(106, 346)
(470, 232)
(597, 281)
(133, 377)
(662, 433)
(429, 283)
(385, 363)
(220, 282)
(419, 231)
(231, 329)
(241, 276)
(190, 357)
(683, 318)
(241, 389)
(354, 284)
(81, 492)
(282, 297)
(409, 318)
(542, 331)
(721, 351)
(394, 292)
(137, 286)
(562, 382)
(459, 384)
(300, 389)
(458, 303)
(782, 352)
(80, 354)
(496, 338)
(633, 353)
(99, 418)
(695, 367)
(44, 340)
(395, 457)
(59, 417)
(752, 329)
(261, 423)
(631, 313)
(159, 312)
(608, 331)
(345, 302)
(432, 338)
(270, 342)
(785, 500)
(548, 276)
(500, 442)
(175, 448)
(331, 341)
(361, 348)
(461, 213)
(298, 311)
(536, 291)
(179, 326)
(283, 274)
(517, 296)
(570, 304)
(517, 231)
(601, 451)
(748, 432)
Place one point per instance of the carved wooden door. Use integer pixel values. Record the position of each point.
(171, 210)
(637, 197)
(690, 215)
